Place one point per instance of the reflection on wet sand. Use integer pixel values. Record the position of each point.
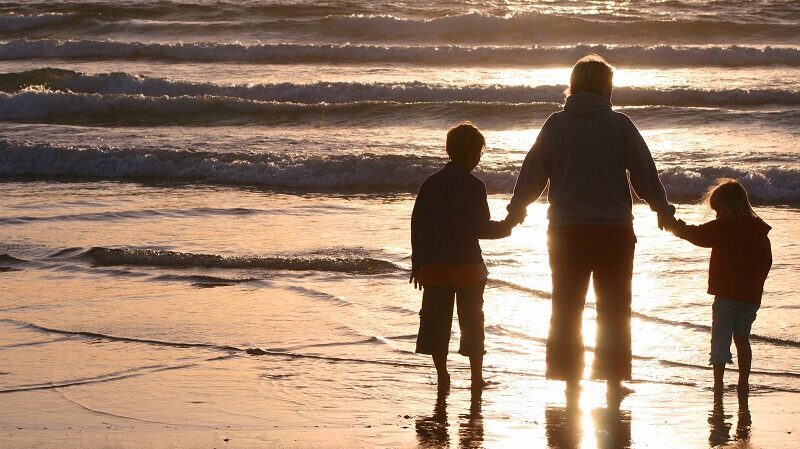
(720, 424)
(564, 425)
(470, 431)
(432, 431)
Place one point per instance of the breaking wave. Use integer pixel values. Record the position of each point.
(537, 27)
(293, 53)
(366, 172)
(19, 22)
(7, 259)
(44, 92)
(156, 258)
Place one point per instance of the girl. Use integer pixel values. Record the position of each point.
(740, 261)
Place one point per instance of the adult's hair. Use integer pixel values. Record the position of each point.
(592, 73)
(728, 198)
(464, 141)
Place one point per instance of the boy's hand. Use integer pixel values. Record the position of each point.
(508, 225)
(414, 279)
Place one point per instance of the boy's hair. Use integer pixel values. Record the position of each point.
(729, 199)
(464, 141)
(592, 73)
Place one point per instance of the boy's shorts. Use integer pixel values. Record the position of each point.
(729, 318)
(436, 320)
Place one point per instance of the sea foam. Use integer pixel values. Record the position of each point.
(292, 53)
(353, 172)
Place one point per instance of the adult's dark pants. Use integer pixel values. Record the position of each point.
(605, 254)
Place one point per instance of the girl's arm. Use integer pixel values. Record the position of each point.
(705, 235)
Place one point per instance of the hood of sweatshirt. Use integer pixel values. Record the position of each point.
(586, 103)
(753, 227)
(759, 226)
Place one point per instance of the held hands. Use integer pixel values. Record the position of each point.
(666, 219)
(513, 219)
(516, 216)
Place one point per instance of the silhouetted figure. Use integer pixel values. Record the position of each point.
(432, 430)
(451, 213)
(586, 153)
(741, 258)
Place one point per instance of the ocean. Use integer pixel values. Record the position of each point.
(223, 189)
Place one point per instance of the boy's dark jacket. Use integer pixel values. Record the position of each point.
(741, 255)
(450, 214)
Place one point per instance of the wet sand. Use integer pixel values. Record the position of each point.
(253, 401)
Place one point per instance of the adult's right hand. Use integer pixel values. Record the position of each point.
(414, 279)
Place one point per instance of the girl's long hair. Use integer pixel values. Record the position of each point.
(729, 199)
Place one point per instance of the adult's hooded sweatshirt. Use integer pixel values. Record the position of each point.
(587, 152)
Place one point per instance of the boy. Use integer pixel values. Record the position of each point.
(450, 215)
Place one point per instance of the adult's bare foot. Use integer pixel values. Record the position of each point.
(616, 389)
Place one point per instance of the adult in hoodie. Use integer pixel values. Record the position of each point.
(588, 153)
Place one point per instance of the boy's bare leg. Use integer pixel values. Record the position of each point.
(744, 356)
(719, 373)
(443, 377)
(476, 369)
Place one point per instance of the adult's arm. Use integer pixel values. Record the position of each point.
(534, 174)
(643, 172)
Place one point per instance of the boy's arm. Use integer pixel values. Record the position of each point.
(416, 245)
(533, 175)
(485, 227)
(416, 215)
(705, 235)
